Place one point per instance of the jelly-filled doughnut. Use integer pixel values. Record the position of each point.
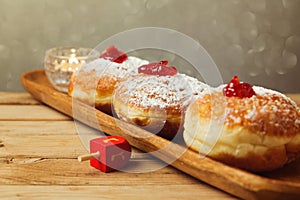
(258, 128)
(95, 82)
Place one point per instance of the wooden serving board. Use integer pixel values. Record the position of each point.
(280, 184)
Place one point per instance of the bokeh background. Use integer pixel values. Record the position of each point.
(259, 40)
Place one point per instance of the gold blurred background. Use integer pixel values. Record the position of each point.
(259, 40)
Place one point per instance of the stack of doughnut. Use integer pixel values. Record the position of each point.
(253, 128)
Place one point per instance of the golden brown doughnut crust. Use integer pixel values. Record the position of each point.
(104, 87)
(260, 133)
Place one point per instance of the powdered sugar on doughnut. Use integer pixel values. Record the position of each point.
(264, 91)
(101, 66)
(134, 62)
(150, 91)
(267, 112)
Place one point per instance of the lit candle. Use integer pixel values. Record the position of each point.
(62, 62)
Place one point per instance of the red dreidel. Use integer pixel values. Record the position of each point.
(108, 153)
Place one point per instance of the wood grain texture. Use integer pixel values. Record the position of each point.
(45, 139)
(37, 112)
(44, 146)
(15, 98)
(188, 192)
(24, 128)
(31, 171)
(234, 181)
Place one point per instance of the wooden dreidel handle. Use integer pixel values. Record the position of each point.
(88, 156)
(108, 153)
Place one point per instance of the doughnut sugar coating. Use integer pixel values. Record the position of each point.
(156, 103)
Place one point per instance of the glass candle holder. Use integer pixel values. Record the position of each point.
(61, 62)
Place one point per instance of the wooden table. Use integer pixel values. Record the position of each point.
(38, 160)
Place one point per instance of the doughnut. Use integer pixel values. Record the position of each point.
(95, 81)
(155, 99)
(256, 129)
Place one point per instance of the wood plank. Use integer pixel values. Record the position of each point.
(42, 146)
(17, 98)
(30, 112)
(22, 139)
(30, 171)
(48, 145)
(189, 192)
(24, 128)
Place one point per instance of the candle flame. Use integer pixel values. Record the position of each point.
(73, 59)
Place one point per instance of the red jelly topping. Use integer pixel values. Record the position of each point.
(160, 69)
(113, 54)
(235, 88)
